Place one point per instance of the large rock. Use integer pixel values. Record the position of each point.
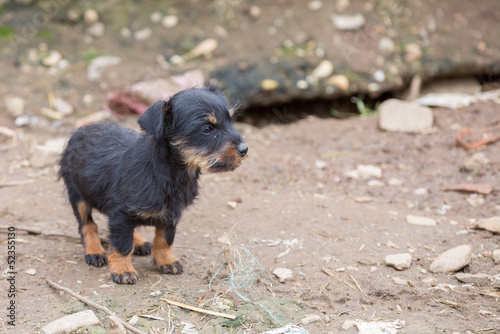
(452, 260)
(401, 116)
(71, 323)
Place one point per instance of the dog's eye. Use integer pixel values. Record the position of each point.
(207, 129)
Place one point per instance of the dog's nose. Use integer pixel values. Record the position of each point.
(242, 150)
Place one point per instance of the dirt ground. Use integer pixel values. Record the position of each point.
(294, 209)
(290, 205)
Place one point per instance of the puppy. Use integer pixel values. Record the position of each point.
(147, 178)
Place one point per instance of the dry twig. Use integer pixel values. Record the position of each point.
(338, 278)
(197, 309)
(94, 305)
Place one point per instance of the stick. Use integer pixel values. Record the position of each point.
(37, 231)
(94, 305)
(361, 290)
(337, 278)
(197, 309)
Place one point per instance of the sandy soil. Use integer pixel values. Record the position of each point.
(295, 209)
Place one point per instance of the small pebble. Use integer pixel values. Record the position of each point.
(170, 21)
(31, 272)
(15, 106)
(399, 261)
(421, 221)
(283, 274)
(91, 16)
(311, 318)
(452, 260)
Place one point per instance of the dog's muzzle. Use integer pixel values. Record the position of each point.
(242, 150)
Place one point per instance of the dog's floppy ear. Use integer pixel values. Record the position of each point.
(153, 119)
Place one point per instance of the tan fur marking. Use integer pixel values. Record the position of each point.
(120, 264)
(138, 239)
(162, 253)
(91, 239)
(212, 119)
(89, 231)
(83, 211)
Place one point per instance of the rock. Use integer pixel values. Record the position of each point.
(323, 70)
(379, 76)
(421, 221)
(224, 239)
(283, 274)
(339, 81)
(412, 52)
(363, 199)
(310, 318)
(269, 84)
(348, 22)
(348, 324)
(401, 116)
(6, 133)
(393, 181)
(48, 153)
(386, 45)
(288, 329)
(97, 29)
(496, 256)
(63, 107)
(31, 272)
(452, 260)
(155, 17)
(52, 59)
(90, 16)
(475, 200)
(475, 163)
(255, 11)
(320, 164)
(15, 106)
(368, 171)
(446, 100)
(133, 320)
(421, 191)
(480, 279)
(71, 323)
(399, 281)
(379, 327)
(98, 64)
(315, 5)
(491, 224)
(399, 261)
(143, 34)
(170, 21)
(205, 48)
(22, 121)
(232, 204)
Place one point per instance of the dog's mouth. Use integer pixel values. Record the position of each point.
(225, 160)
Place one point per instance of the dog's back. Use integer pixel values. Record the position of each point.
(93, 153)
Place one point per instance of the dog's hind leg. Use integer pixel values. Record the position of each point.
(141, 246)
(163, 256)
(121, 236)
(94, 252)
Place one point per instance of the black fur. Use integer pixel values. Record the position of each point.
(149, 178)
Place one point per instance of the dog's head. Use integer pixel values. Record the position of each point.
(199, 123)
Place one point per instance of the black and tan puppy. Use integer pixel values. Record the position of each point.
(147, 178)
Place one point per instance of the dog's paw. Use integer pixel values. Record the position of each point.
(97, 260)
(175, 268)
(125, 278)
(144, 249)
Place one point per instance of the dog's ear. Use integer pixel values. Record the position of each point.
(153, 119)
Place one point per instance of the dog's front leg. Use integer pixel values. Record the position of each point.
(163, 256)
(121, 228)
